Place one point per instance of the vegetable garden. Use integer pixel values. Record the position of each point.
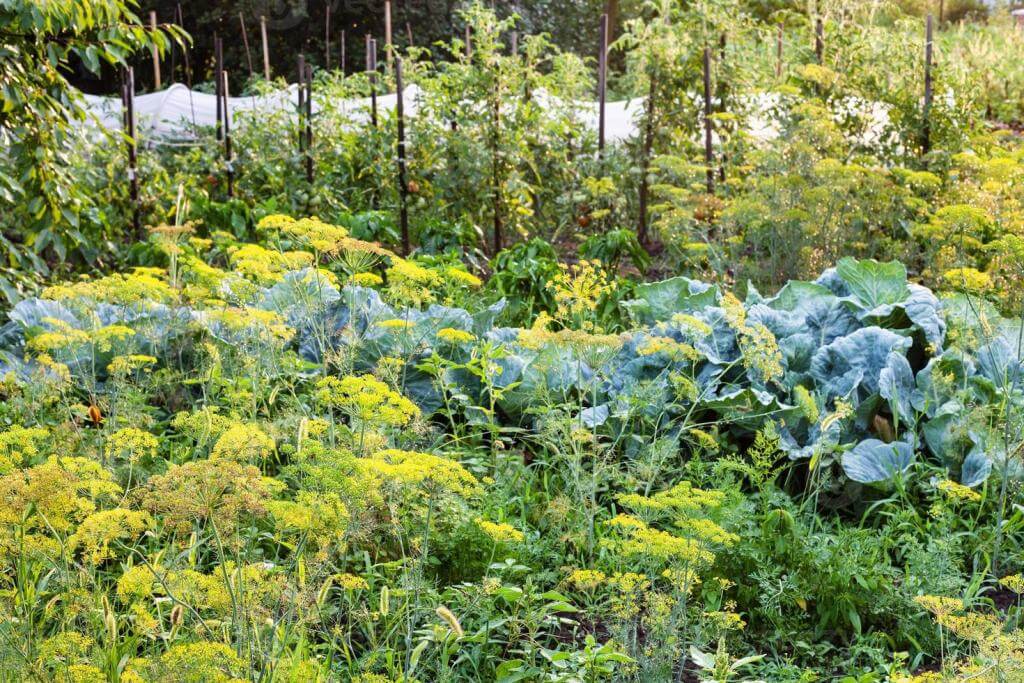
(418, 373)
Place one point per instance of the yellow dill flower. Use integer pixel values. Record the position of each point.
(252, 321)
(367, 399)
(130, 444)
(127, 364)
(396, 324)
(69, 647)
(691, 325)
(450, 335)
(462, 277)
(136, 583)
(366, 280)
(577, 290)
(706, 531)
(704, 439)
(420, 470)
(321, 236)
(586, 579)
(958, 492)
(19, 445)
(350, 582)
(97, 531)
(939, 605)
(266, 266)
(968, 280)
(410, 283)
(674, 350)
(499, 532)
(143, 287)
(321, 517)
(243, 443)
(200, 661)
(85, 673)
(54, 495)
(1014, 582)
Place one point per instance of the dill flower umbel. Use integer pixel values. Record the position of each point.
(97, 531)
(244, 443)
(450, 335)
(420, 470)
(19, 445)
(500, 532)
(958, 492)
(366, 280)
(586, 579)
(130, 444)
(578, 289)
(367, 399)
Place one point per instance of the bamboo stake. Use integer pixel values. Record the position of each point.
(156, 53)
(709, 156)
(403, 187)
(245, 42)
(602, 83)
(266, 48)
(926, 143)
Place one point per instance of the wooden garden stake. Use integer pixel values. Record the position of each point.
(709, 156)
(602, 83)
(342, 57)
(469, 43)
(387, 34)
(926, 142)
(371, 71)
(309, 123)
(721, 97)
(128, 100)
(514, 43)
(408, 32)
(327, 37)
(645, 162)
(156, 53)
(819, 40)
(496, 161)
(245, 43)
(218, 84)
(403, 187)
(228, 160)
(266, 48)
(300, 96)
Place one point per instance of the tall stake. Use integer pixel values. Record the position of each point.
(371, 71)
(128, 98)
(218, 84)
(709, 156)
(926, 142)
(819, 40)
(602, 83)
(309, 123)
(408, 32)
(300, 96)
(720, 81)
(228, 159)
(387, 34)
(245, 42)
(156, 53)
(778, 52)
(327, 37)
(496, 161)
(403, 187)
(266, 48)
(645, 162)
(469, 43)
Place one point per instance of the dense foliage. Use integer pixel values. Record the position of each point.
(620, 415)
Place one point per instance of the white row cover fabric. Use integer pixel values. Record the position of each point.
(177, 114)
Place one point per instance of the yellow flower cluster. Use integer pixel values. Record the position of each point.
(97, 531)
(19, 445)
(366, 399)
(123, 366)
(450, 335)
(462, 278)
(243, 443)
(366, 280)
(266, 266)
(321, 517)
(130, 444)
(577, 290)
(673, 350)
(958, 492)
(500, 532)
(411, 283)
(586, 579)
(758, 346)
(423, 471)
(142, 287)
(968, 280)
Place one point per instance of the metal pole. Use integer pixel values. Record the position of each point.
(926, 143)
(602, 83)
(403, 187)
(156, 53)
(266, 48)
(709, 157)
